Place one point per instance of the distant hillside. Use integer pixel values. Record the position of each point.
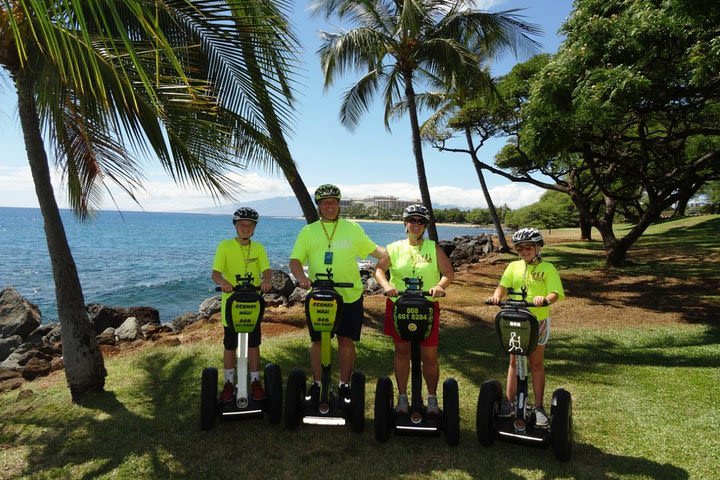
(269, 207)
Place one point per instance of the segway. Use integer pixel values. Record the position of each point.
(243, 309)
(323, 312)
(517, 332)
(413, 315)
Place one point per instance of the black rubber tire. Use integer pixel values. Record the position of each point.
(357, 402)
(273, 389)
(294, 397)
(208, 397)
(561, 424)
(451, 411)
(488, 405)
(384, 417)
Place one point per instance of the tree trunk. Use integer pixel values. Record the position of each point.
(280, 149)
(417, 151)
(504, 248)
(585, 228)
(84, 367)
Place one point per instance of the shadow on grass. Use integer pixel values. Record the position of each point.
(150, 429)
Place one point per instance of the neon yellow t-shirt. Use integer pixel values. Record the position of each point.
(415, 262)
(348, 243)
(233, 259)
(540, 280)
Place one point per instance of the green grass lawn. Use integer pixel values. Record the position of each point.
(646, 403)
(645, 407)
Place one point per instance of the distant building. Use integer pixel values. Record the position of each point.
(386, 202)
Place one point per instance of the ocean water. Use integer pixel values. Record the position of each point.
(162, 260)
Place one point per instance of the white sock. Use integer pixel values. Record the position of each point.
(229, 375)
(340, 384)
(254, 376)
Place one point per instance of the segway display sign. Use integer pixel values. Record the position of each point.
(517, 332)
(322, 311)
(243, 311)
(413, 317)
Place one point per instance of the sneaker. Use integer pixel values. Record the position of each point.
(507, 409)
(432, 405)
(345, 394)
(402, 406)
(258, 392)
(541, 419)
(313, 395)
(227, 392)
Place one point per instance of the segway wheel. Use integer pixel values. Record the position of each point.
(357, 401)
(451, 411)
(294, 397)
(208, 397)
(561, 424)
(383, 409)
(488, 404)
(273, 387)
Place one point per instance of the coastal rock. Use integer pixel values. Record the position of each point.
(103, 316)
(10, 380)
(39, 336)
(468, 249)
(17, 315)
(129, 330)
(210, 306)
(107, 337)
(8, 346)
(297, 296)
(184, 320)
(282, 283)
(275, 300)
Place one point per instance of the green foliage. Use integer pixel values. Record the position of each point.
(553, 210)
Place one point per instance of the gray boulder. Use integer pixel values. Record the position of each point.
(210, 306)
(184, 320)
(8, 346)
(282, 283)
(129, 330)
(17, 315)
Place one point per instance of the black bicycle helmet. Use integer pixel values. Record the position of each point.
(245, 213)
(326, 191)
(416, 210)
(528, 235)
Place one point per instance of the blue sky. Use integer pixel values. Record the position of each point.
(369, 161)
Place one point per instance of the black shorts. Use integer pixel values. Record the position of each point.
(231, 338)
(351, 323)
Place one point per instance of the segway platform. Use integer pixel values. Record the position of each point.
(413, 315)
(517, 332)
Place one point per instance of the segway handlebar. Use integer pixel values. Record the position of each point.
(516, 303)
(420, 293)
(330, 283)
(240, 288)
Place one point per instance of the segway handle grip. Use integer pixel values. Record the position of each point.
(333, 284)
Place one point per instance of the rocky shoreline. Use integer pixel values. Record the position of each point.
(29, 349)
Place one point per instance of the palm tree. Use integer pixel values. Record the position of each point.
(442, 124)
(398, 44)
(106, 81)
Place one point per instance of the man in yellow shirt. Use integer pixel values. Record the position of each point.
(336, 243)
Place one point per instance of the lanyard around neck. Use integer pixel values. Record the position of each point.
(332, 234)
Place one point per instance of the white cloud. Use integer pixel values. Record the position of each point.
(163, 195)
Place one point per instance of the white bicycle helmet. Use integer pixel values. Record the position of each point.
(416, 210)
(528, 235)
(245, 213)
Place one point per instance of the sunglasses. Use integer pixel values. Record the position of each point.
(522, 248)
(417, 221)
